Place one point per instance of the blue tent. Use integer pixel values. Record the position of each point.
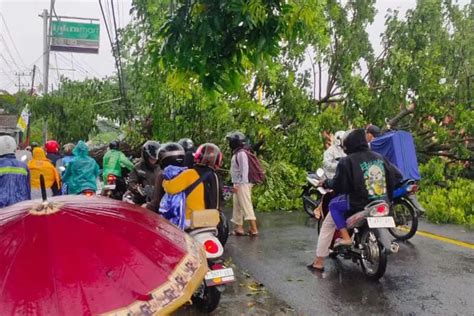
(399, 148)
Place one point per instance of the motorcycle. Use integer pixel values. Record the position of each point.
(313, 193)
(370, 239)
(203, 229)
(405, 210)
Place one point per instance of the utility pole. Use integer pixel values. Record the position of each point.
(21, 74)
(45, 51)
(32, 89)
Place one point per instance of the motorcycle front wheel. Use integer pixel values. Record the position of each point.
(209, 300)
(374, 259)
(311, 199)
(406, 220)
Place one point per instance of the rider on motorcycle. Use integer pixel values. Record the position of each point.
(144, 173)
(52, 151)
(81, 172)
(170, 154)
(188, 146)
(113, 162)
(208, 192)
(361, 177)
(333, 154)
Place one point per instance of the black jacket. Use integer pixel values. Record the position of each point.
(363, 174)
(144, 175)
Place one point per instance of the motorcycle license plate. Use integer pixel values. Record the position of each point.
(381, 222)
(219, 277)
(110, 187)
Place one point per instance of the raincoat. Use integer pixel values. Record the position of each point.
(114, 161)
(332, 155)
(14, 181)
(40, 165)
(82, 172)
(173, 206)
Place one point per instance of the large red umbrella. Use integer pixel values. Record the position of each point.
(88, 256)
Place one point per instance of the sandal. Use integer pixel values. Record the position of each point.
(252, 234)
(313, 268)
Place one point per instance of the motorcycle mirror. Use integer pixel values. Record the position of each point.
(62, 169)
(320, 172)
(23, 158)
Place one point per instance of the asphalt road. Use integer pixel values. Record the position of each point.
(426, 277)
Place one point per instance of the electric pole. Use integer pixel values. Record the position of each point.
(21, 74)
(45, 17)
(32, 89)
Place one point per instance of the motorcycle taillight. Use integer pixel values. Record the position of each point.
(88, 193)
(211, 246)
(111, 179)
(379, 210)
(414, 188)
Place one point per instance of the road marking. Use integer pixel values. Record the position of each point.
(444, 239)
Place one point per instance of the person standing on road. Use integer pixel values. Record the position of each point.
(242, 188)
(14, 174)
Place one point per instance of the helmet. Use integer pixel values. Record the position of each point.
(186, 143)
(7, 145)
(338, 136)
(171, 154)
(52, 147)
(373, 129)
(33, 145)
(150, 150)
(236, 139)
(114, 145)
(209, 155)
(68, 148)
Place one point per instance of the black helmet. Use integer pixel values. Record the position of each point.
(373, 129)
(114, 145)
(171, 154)
(187, 144)
(150, 150)
(236, 139)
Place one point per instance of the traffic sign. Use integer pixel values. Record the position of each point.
(75, 37)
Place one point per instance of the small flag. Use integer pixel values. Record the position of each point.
(23, 119)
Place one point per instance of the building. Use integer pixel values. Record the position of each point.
(8, 126)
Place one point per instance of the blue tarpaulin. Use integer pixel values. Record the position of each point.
(399, 148)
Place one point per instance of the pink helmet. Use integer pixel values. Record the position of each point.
(209, 155)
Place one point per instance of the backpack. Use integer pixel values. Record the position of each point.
(256, 172)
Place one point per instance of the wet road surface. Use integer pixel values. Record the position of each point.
(426, 277)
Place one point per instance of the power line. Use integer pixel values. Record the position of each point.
(11, 39)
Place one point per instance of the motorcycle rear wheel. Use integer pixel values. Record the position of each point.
(209, 300)
(406, 220)
(375, 263)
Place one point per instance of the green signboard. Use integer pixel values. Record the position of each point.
(75, 37)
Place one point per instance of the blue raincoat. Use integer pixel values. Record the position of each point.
(82, 172)
(14, 181)
(173, 206)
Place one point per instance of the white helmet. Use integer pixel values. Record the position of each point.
(338, 137)
(7, 145)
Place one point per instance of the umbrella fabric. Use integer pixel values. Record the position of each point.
(89, 256)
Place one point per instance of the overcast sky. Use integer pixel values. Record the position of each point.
(26, 30)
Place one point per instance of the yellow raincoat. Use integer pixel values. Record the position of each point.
(40, 165)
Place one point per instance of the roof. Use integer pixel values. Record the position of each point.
(8, 121)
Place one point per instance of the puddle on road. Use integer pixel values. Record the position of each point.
(244, 297)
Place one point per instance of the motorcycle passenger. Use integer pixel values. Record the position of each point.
(208, 192)
(67, 158)
(170, 154)
(145, 172)
(14, 174)
(361, 177)
(113, 162)
(333, 154)
(82, 172)
(188, 146)
(52, 151)
(41, 165)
